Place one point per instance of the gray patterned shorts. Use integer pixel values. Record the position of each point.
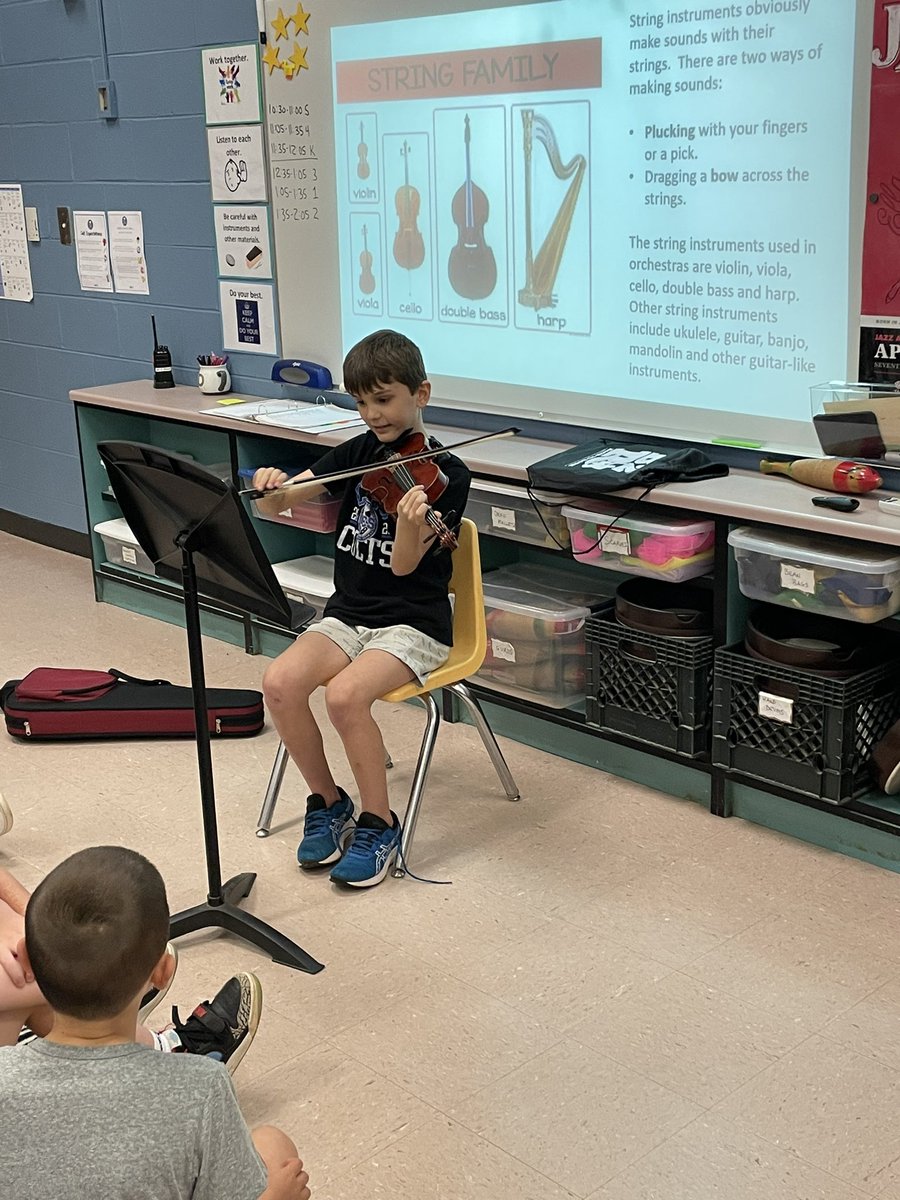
(421, 653)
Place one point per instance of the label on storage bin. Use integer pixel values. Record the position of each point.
(798, 579)
(503, 518)
(614, 541)
(776, 708)
(129, 555)
(504, 650)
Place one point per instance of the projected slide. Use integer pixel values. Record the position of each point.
(648, 201)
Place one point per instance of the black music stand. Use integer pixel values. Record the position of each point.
(194, 528)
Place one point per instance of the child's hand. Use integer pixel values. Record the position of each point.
(12, 930)
(288, 1182)
(269, 477)
(413, 506)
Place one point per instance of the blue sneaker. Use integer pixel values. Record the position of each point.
(369, 856)
(325, 830)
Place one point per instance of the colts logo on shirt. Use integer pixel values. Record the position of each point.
(361, 535)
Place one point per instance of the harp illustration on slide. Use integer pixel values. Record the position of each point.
(541, 269)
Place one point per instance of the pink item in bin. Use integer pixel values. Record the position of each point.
(585, 547)
(660, 547)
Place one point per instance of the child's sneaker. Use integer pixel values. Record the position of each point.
(156, 995)
(325, 830)
(226, 1025)
(6, 817)
(370, 855)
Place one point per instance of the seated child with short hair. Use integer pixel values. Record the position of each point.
(88, 1110)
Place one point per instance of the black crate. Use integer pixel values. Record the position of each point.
(655, 689)
(825, 750)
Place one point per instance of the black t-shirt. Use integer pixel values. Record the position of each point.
(367, 592)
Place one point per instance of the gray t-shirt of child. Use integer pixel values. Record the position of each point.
(121, 1122)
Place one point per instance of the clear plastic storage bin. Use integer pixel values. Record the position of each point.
(120, 546)
(319, 514)
(504, 510)
(660, 547)
(839, 578)
(535, 633)
(309, 580)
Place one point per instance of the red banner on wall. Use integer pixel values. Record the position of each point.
(881, 243)
(498, 70)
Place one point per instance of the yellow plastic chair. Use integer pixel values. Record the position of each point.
(466, 656)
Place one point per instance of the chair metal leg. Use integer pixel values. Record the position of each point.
(479, 720)
(264, 823)
(418, 784)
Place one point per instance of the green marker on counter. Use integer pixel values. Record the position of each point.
(740, 442)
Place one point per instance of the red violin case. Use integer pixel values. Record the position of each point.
(52, 702)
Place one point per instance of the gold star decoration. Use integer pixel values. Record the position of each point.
(300, 19)
(271, 58)
(280, 25)
(298, 58)
(288, 67)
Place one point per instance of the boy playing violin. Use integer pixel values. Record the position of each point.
(388, 622)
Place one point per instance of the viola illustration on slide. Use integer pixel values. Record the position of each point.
(366, 278)
(471, 267)
(409, 245)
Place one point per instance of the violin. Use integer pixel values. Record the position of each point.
(362, 167)
(366, 278)
(472, 267)
(271, 501)
(409, 245)
(389, 483)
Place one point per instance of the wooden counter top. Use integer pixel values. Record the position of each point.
(741, 496)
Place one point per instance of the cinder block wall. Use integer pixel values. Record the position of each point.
(153, 158)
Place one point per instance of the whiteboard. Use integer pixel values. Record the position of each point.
(624, 216)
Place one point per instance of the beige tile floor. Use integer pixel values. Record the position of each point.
(619, 997)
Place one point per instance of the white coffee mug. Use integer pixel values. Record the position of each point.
(214, 379)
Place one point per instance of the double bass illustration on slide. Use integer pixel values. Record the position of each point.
(471, 267)
(542, 268)
(409, 245)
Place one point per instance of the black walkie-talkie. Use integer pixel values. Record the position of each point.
(162, 363)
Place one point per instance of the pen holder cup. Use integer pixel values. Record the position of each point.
(214, 380)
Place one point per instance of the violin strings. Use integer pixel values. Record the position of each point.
(407, 480)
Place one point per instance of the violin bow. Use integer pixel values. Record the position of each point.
(283, 493)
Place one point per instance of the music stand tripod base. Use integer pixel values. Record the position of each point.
(229, 917)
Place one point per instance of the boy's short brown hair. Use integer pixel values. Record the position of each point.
(95, 928)
(382, 358)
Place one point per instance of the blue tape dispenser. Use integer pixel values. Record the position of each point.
(300, 371)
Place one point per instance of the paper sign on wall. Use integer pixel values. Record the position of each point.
(92, 251)
(237, 169)
(248, 317)
(242, 241)
(15, 268)
(126, 247)
(230, 84)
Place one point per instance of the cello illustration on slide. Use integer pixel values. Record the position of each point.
(471, 267)
(409, 246)
(366, 278)
(363, 169)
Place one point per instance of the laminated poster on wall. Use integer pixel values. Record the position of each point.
(248, 317)
(237, 171)
(15, 268)
(92, 251)
(231, 89)
(126, 245)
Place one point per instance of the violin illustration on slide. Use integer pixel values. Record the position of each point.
(409, 246)
(363, 169)
(472, 267)
(366, 278)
